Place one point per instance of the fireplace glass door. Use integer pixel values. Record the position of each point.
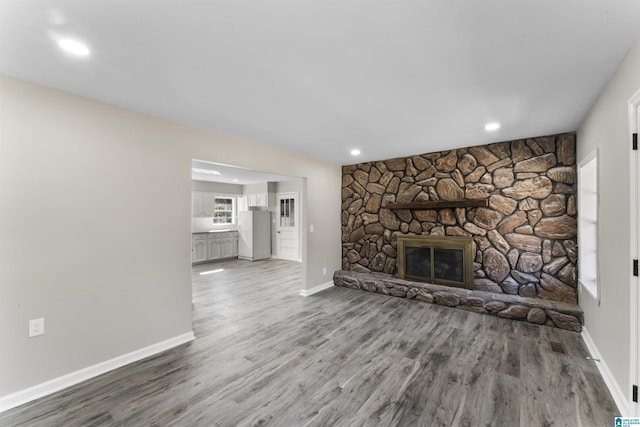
(445, 260)
(447, 265)
(418, 262)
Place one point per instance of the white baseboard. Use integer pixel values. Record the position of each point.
(315, 290)
(286, 259)
(32, 393)
(614, 388)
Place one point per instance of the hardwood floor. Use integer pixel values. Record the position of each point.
(266, 356)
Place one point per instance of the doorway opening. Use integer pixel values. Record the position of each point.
(224, 197)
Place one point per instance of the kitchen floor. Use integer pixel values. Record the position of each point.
(266, 356)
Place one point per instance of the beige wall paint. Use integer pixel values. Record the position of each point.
(96, 222)
(292, 186)
(259, 187)
(607, 127)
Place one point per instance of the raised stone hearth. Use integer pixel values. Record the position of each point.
(533, 310)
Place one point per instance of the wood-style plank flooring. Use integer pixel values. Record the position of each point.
(266, 356)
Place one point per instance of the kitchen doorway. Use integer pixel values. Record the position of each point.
(222, 194)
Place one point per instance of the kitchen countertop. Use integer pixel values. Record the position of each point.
(214, 231)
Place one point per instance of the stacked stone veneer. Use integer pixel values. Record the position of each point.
(525, 240)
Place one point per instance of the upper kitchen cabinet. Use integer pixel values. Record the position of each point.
(202, 204)
(260, 194)
(257, 199)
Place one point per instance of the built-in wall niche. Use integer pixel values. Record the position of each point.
(588, 224)
(444, 260)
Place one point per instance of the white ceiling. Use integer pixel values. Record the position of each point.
(391, 77)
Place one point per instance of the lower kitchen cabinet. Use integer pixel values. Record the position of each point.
(214, 249)
(199, 248)
(226, 248)
(213, 246)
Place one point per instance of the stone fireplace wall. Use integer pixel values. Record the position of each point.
(525, 240)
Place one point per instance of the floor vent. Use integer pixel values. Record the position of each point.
(558, 347)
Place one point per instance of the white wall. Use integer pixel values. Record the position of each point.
(607, 127)
(95, 222)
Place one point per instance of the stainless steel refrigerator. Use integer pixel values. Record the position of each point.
(254, 235)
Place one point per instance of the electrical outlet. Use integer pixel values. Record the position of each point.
(36, 327)
(324, 271)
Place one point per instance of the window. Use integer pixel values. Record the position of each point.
(287, 212)
(588, 224)
(223, 210)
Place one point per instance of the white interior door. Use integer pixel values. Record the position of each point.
(287, 226)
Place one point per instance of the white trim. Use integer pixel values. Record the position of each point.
(634, 232)
(610, 381)
(584, 210)
(48, 387)
(285, 259)
(315, 290)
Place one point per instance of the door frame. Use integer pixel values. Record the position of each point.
(297, 217)
(634, 231)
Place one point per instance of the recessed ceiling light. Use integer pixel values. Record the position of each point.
(492, 126)
(73, 46)
(235, 180)
(209, 171)
(355, 152)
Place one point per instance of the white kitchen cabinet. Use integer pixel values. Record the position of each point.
(202, 204)
(214, 250)
(226, 247)
(197, 210)
(258, 200)
(199, 248)
(229, 244)
(214, 246)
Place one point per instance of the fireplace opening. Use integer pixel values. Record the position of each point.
(446, 260)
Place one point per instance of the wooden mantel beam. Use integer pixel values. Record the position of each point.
(439, 204)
